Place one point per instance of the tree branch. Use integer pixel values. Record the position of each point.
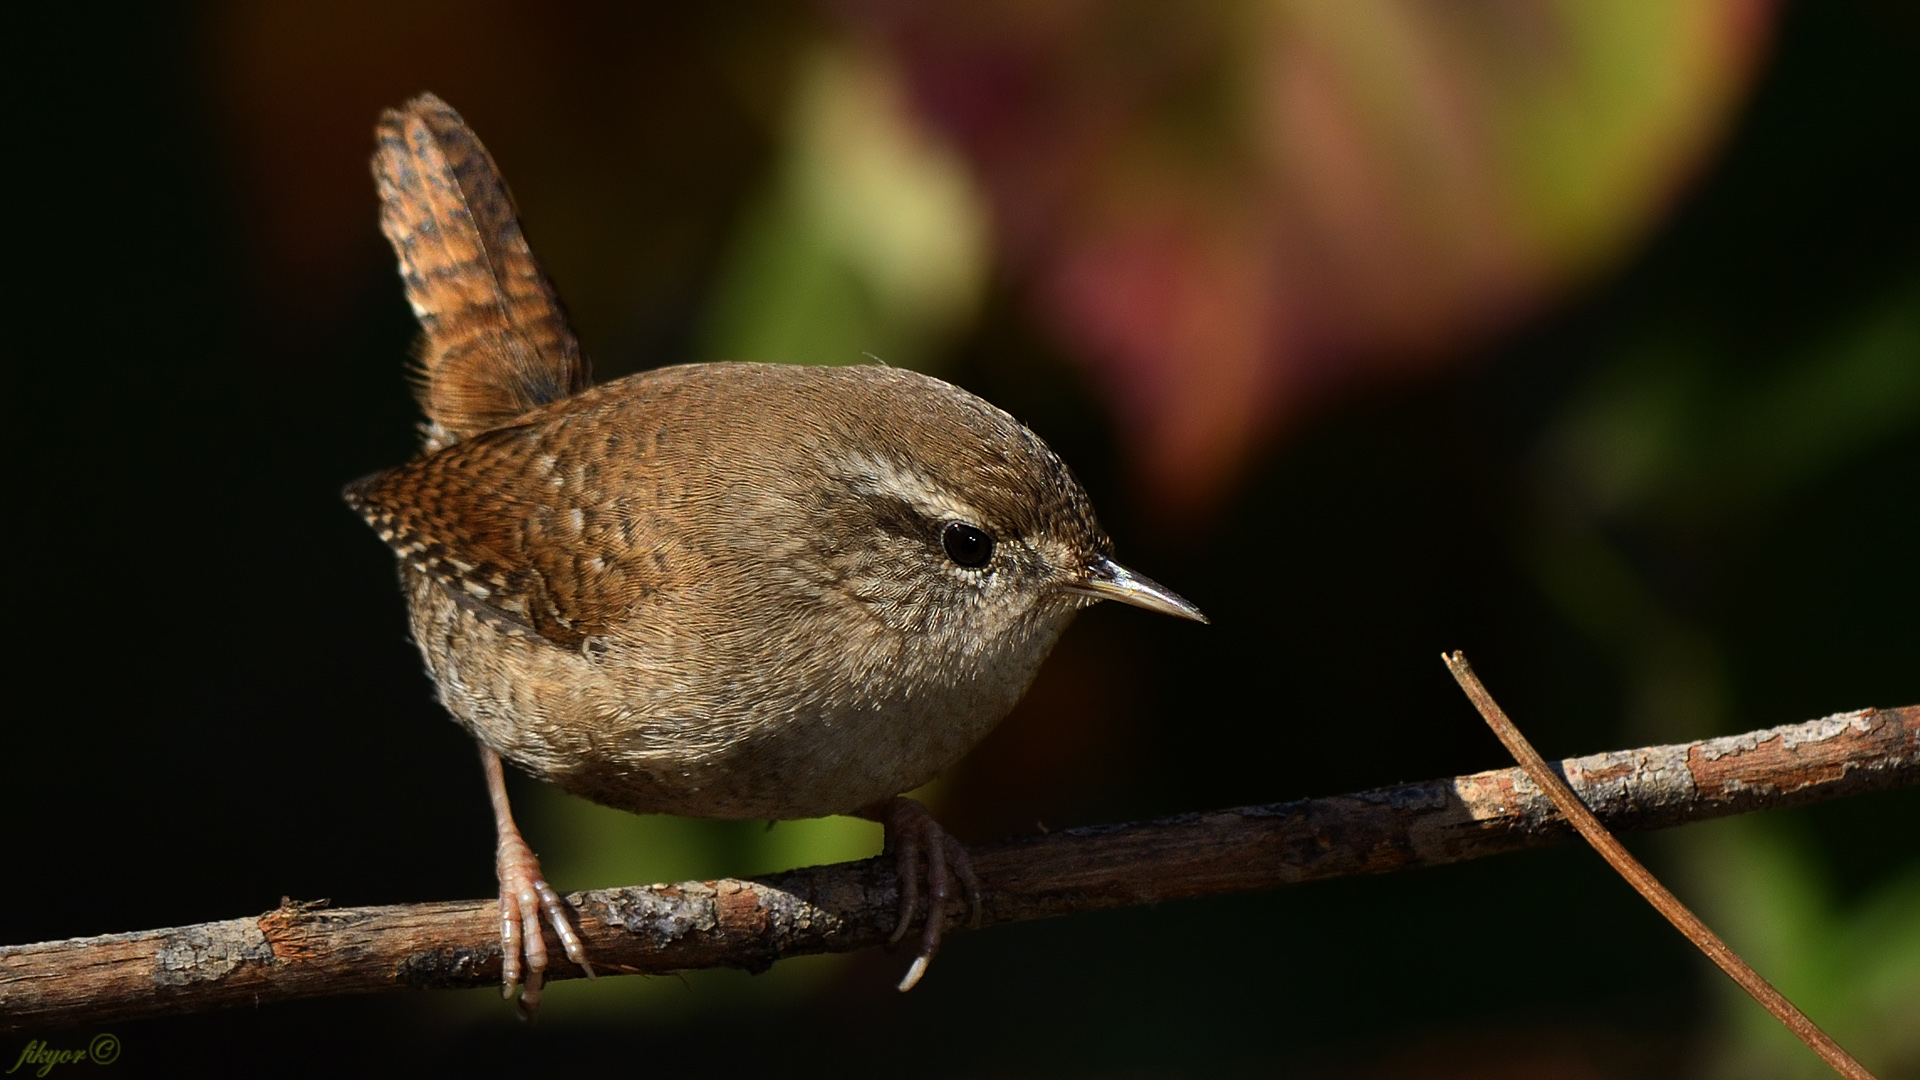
(1643, 881)
(308, 950)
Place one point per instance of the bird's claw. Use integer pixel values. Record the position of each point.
(911, 833)
(524, 896)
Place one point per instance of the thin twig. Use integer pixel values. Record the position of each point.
(1643, 880)
(308, 950)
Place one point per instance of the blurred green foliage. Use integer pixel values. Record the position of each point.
(1681, 503)
(1854, 965)
(870, 240)
(1669, 445)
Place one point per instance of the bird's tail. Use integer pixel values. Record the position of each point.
(497, 341)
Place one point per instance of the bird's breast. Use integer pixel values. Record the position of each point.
(737, 723)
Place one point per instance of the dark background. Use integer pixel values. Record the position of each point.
(215, 704)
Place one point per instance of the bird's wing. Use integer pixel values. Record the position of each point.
(498, 342)
(511, 522)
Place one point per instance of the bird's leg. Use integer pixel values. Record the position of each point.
(523, 894)
(910, 832)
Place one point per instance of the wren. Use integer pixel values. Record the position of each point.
(720, 590)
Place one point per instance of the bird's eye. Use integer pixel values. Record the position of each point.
(965, 544)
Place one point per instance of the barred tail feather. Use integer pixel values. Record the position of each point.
(497, 341)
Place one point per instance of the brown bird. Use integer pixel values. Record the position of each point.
(716, 590)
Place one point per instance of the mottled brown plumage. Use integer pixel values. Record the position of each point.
(799, 510)
(723, 590)
(497, 341)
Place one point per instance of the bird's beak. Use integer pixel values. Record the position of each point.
(1108, 580)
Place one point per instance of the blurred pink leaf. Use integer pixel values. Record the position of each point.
(1230, 210)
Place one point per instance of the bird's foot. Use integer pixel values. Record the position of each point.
(524, 895)
(911, 833)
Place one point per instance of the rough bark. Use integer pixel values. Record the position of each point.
(309, 950)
